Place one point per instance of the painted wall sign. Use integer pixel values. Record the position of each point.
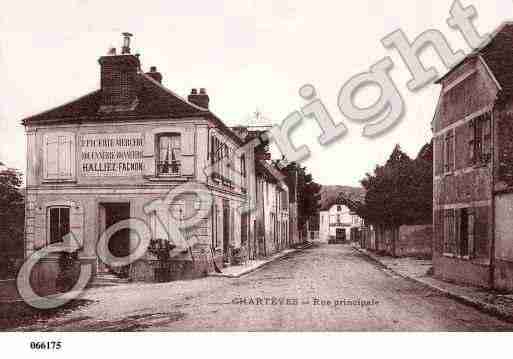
(116, 154)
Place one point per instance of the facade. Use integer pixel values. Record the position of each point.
(270, 225)
(272, 214)
(337, 223)
(473, 168)
(104, 157)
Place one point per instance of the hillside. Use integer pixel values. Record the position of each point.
(330, 193)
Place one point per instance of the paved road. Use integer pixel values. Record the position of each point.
(306, 287)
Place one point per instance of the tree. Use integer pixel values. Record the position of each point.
(304, 190)
(12, 214)
(400, 192)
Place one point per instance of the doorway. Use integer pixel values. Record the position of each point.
(119, 243)
(340, 235)
(226, 230)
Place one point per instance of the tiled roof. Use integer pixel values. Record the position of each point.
(153, 100)
(497, 53)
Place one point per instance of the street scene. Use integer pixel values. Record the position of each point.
(306, 279)
(178, 178)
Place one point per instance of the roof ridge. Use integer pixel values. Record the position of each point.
(172, 93)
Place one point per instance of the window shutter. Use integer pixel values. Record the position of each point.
(59, 156)
(76, 223)
(187, 146)
(149, 154)
(66, 154)
(188, 165)
(457, 232)
(471, 143)
(39, 228)
(188, 141)
(471, 245)
(51, 156)
(176, 211)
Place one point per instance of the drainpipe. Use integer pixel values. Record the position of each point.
(492, 160)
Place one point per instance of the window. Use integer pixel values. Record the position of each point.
(459, 232)
(221, 161)
(59, 156)
(58, 218)
(168, 163)
(480, 147)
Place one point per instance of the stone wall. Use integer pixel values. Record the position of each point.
(415, 241)
(402, 241)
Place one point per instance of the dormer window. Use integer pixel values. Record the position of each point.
(168, 162)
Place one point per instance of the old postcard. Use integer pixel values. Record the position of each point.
(255, 166)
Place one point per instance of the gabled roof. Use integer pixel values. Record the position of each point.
(153, 101)
(497, 55)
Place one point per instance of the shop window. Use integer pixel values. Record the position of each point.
(169, 154)
(59, 156)
(58, 218)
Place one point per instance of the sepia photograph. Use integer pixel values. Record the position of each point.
(256, 168)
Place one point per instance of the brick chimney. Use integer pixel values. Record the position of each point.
(119, 76)
(200, 99)
(154, 74)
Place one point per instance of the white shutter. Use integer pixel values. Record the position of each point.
(187, 165)
(66, 156)
(187, 139)
(160, 228)
(149, 154)
(76, 223)
(39, 228)
(59, 156)
(187, 148)
(51, 156)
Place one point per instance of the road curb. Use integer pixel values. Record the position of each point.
(252, 269)
(480, 305)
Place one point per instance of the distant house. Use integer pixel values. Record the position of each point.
(338, 222)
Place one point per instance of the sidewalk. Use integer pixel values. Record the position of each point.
(496, 304)
(252, 265)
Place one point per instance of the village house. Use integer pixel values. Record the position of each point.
(338, 223)
(473, 167)
(270, 229)
(102, 158)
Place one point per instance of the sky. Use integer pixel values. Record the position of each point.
(250, 55)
